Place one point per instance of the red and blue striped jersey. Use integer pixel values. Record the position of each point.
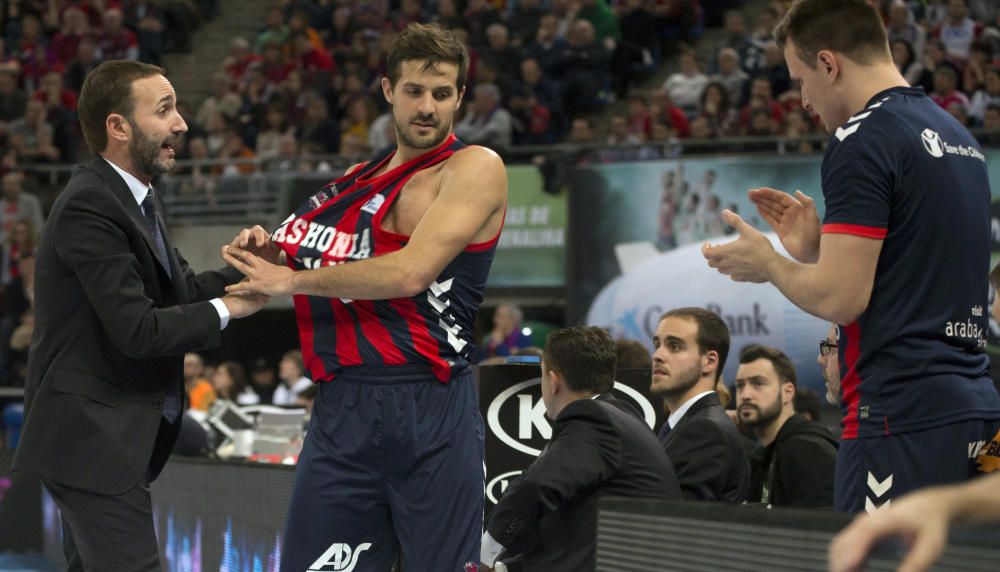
(343, 223)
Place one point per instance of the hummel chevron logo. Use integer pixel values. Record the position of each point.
(871, 507)
(879, 488)
(843, 133)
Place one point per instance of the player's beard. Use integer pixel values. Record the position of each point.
(764, 416)
(404, 137)
(145, 152)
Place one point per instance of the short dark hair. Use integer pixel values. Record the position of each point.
(850, 27)
(585, 356)
(807, 402)
(632, 354)
(428, 43)
(106, 90)
(782, 365)
(713, 334)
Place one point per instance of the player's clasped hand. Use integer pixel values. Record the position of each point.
(744, 259)
(262, 276)
(258, 241)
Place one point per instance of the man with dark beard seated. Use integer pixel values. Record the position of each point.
(795, 465)
(690, 349)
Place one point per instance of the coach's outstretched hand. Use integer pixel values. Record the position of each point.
(745, 259)
(794, 219)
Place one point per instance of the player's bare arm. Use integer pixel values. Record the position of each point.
(837, 288)
(469, 208)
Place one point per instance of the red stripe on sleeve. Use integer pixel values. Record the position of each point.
(423, 342)
(376, 333)
(856, 230)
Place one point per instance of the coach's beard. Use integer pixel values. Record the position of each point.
(145, 152)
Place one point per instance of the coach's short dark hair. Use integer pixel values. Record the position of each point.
(585, 356)
(713, 334)
(106, 90)
(428, 43)
(782, 365)
(850, 27)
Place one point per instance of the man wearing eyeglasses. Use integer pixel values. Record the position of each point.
(828, 360)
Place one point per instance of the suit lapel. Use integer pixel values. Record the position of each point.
(124, 194)
(697, 407)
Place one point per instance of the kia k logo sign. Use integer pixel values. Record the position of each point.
(496, 487)
(532, 427)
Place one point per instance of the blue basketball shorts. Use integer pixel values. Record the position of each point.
(872, 471)
(393, 460)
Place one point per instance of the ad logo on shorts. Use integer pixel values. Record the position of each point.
(339, 557)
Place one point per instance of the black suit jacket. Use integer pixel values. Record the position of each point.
(598, 447)
(111, 329)
(708, 454)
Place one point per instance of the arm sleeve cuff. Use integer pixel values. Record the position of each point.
(223, 311)
(856, 230)
(489, 550)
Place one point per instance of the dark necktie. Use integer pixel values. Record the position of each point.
(171, 401)
(149, 211)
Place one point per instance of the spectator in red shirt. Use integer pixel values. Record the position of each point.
(115, 40)
(54, 94)
(945, 88)
(312, 63)
(240, 58)
(63, 47)
(664, 111)
(761, 97)
(273, 64)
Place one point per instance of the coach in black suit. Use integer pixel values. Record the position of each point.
(116, 308)
(599, 447)
(690, 349)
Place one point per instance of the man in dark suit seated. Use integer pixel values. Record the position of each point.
(599, 447)
(690, 349)
(117, 308)
(795, 465)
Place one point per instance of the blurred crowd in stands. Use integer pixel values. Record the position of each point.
(542, 71)
(307, 83)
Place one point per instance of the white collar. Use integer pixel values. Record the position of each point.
(675, 417)
(139, 191)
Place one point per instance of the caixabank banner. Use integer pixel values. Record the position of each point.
(634, 249)
(510, 400)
